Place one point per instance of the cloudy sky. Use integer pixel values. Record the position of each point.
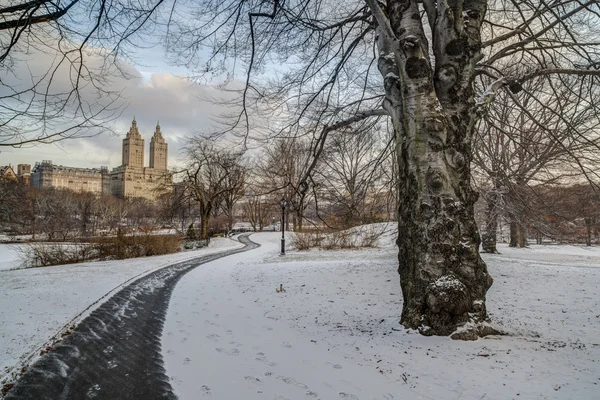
(154, 91)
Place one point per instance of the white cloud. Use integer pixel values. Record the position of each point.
(182, 107)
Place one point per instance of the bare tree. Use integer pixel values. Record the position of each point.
(205, 180)
(351, 174)
(256, 211)
(57, 71)
(439, 63)
(283, 171)
(540, 146)
(235, 184)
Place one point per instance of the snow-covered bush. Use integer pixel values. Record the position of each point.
(354, 238)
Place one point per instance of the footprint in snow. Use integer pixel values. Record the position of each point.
(292, 381)
(312, 394)
(260, 357)
(213, 336)
(187, 360)
(348, 396)
(254, 380)
(229, 352)
(205, 391)
(286, 345)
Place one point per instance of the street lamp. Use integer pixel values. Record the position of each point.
(282, 203)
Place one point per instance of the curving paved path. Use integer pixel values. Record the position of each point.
(114, 353)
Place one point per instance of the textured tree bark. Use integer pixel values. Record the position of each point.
(204, 218)
(489, 237)
(522, 236)
(518, 234)
(514, 234)
(443, 278)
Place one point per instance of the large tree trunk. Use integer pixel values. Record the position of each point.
(444, 280)
(204, 226)
(518, 234)
(523, 236)
(514, 234)
(489, 237)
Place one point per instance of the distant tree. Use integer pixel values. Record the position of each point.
(533, 138)
(351, 175)
(284, 174)
(235, 185)
(256, 210)
(206, 177)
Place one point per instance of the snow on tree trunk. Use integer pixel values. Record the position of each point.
(444, 280)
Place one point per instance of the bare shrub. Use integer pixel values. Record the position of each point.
(121, 247)
(368, 236)
(47, 254)
(107, 248)
(302, 241)
(355, 238)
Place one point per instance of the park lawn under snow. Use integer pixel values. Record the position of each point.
(334, 332)
(36, 304)
(9, 256)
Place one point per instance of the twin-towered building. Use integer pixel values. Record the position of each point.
(131, 179)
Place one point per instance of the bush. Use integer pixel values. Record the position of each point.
(47, 254)
(303, 241)
(191, 233)
(106, 248)
(122, 247)
(354, 238)
(196, 244)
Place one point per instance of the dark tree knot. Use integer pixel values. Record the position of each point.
(417, 68)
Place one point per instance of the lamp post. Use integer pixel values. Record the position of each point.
(282, 203)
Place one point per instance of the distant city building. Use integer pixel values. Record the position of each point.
(7, 172)
(45, 175)
(132, 179)
(24, 174)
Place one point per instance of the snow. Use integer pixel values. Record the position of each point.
(334, 331)
(342, 308)
(37, 303)
(218, 342)
(9, 256)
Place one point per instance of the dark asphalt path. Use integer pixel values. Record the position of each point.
(114, 353)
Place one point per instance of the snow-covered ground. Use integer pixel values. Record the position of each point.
(37, 303)
(9, 256)
(334, 332)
